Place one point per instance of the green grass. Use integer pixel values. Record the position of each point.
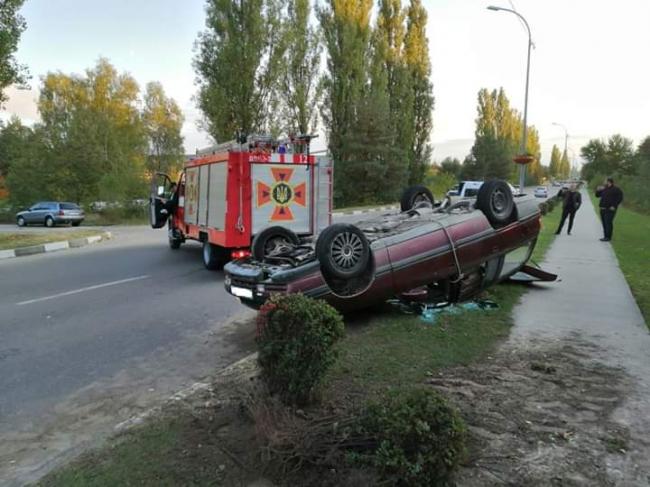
(631, 242)
(16, 240)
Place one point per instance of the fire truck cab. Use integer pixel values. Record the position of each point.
(251, 195)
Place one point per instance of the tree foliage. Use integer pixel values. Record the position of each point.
(12, 25)
(92, 142)
(238, 64)
(498, 137)
(565, 165)
(554, 165)
(300, 90)
(163, 121)
(606, 157)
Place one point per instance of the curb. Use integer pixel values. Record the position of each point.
(366, 210)
(54, 246)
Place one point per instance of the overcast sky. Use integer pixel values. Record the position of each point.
(589, 70)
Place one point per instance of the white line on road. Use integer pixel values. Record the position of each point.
(83, 289)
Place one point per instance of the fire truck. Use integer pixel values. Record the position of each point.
(253, 195)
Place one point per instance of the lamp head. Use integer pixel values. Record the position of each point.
(494, 7)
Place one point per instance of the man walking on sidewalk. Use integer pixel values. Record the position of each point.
(571, 201)
(610, 197)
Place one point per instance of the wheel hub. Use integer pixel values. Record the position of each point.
(346, 250)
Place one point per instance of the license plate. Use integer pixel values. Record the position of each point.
(241, 292)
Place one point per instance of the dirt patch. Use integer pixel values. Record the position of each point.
(541, 417)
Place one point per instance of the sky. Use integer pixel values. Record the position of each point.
(588, 70)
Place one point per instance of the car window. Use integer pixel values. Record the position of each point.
(471, 192)
(69, 206)
(52, 206)
(37, 206)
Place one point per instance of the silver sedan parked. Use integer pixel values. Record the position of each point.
(51, 213)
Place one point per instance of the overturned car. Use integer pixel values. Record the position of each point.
(453, 252)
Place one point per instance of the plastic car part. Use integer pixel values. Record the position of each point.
(415, 196)
(273, 240)
(343, 251)
(495, 200)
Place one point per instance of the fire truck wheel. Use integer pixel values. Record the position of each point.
(175, 243)
(343, 251)
(272, 240)
(214, 257)
(495, 200)
(415, 196)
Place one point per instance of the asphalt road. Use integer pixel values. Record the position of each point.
(91, 336)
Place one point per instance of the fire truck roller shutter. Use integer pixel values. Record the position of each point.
(191, 195)
(323, 211)
(217, 203)
(204, 192)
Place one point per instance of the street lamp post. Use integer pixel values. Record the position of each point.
(566, 135)
(522, 169)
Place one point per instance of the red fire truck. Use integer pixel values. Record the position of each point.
(253, 195)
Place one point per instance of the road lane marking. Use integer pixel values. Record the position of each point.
(83, 289)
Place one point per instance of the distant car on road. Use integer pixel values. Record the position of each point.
(51, 213)
(541, 192)
(469, 190)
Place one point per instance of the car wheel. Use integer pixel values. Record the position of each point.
(414, 196)
(272, 240)
(49, 222)
(75, 224)
(495, 200)
(20, 221)
(214, 256)
(343, 251)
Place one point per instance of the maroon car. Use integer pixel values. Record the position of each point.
(453, 252)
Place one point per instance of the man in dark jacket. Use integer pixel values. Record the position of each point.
(571, 201)
(610, 197)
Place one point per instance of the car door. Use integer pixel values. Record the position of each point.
(35, 213)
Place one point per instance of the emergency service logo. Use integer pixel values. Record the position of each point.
(281, 193)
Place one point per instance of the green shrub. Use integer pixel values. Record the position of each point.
(296, 337)
(421, 438)
(543, 208)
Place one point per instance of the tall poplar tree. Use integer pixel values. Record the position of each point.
(346, 30)
(565, 166)
(300, 89)
(238, 65)
(554, 166)
(416, 52)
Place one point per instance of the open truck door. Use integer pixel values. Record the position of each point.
(161, 192)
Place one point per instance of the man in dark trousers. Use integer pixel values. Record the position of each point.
(571, 201)
(610, 197)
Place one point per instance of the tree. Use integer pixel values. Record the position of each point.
(416, 52)
(12, 26)
(565, 165)
(345, 25)
(238, 65)
(163, 121)
(554, 165)
(451, 165)
(614, 156)
(91, 141)
(13, 139)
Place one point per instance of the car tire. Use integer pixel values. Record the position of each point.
(20, 221)
(415, 195)
(214, 256)
(75, 224)
(343, 251)
(495, 200)
(269, 239)
(49, 222)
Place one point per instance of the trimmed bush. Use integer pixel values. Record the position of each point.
(543, 208)
(421, 438)
(296, 337)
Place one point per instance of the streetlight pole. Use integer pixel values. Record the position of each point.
(522, 169)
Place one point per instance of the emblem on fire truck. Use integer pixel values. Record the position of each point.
(281, 193)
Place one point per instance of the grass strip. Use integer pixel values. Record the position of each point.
(27, 239)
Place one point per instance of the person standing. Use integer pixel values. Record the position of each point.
(610, 197)
(571, 201)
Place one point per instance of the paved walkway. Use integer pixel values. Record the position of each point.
(593, 304)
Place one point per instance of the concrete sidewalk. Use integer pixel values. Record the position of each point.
(592, 304)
